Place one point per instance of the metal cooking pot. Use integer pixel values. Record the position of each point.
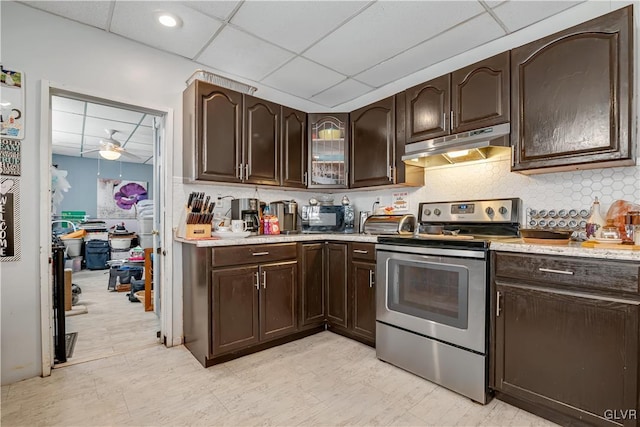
(432, 229)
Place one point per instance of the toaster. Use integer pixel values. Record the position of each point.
(390, 224)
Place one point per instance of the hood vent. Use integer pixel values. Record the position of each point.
(463, 147)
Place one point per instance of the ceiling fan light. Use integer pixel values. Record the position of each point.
(110, 155)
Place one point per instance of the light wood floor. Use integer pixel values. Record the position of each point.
(112, 324)
(322, 380)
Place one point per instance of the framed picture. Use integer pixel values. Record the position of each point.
(118, 198)
(11, 103)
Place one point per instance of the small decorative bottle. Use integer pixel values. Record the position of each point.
(595, 222)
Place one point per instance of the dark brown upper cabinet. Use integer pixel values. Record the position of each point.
(572, 97)
(473, 97)
(294, 148)
(480, 94)
(212, 133)
(428, 109)
(372, 155)
(261, 141)
(328, 150)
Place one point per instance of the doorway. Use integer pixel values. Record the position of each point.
(105, 322)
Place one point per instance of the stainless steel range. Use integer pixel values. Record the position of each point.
(432, 308)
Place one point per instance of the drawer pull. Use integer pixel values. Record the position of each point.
(260, 253)
(360, 251)
(548, 270)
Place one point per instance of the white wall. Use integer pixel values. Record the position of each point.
(88, 60)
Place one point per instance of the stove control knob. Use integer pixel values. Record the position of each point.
(426, 212)
(502, 210)
(437, 212)
(489, 211)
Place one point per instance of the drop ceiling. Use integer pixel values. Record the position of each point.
(325, 52)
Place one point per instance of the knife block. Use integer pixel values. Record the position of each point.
(198, 231)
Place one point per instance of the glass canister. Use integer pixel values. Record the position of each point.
(632, 227)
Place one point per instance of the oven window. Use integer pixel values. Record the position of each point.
(428, 290)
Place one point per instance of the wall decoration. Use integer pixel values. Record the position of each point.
(10, 158)
(9, 219)
(117, 198)
(11, 103)
(400, 201)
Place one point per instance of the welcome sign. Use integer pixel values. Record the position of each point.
(9, 228)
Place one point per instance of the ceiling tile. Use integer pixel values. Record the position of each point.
(219, 9)
(303, 78)
(386, 29)
(473, 33)
(148, 120)
(68, 105)
(236, 52)
(493, 3)
(142, 134)
(341, 93)
(96, 128)
(66, 122)
(518, 14)
(294, 25)
(94, 13)
(65, 138)
(136, 21)
(115, 114)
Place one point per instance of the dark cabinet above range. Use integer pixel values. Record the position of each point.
(470, 98)
(572, 97)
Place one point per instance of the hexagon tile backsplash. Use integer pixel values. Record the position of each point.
(575, 189)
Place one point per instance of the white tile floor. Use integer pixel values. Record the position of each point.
(322, 380)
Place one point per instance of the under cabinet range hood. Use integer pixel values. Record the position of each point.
(462, 147)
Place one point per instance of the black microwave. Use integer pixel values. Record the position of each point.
(327, 219)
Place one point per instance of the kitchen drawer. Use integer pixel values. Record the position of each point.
(584, 273)
(252, 254)
(363, 251)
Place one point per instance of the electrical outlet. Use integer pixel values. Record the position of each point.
(377, 199)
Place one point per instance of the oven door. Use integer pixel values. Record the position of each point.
(438, 293)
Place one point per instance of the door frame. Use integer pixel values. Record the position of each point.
(47, 89)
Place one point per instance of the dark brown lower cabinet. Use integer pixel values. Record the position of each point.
(364, 299)
(566, 354)
(312, 273)
(234, 302)
(278, 302)
(336, 284)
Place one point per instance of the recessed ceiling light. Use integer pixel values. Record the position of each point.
(168, 19)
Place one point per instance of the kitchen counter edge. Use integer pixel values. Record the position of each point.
(280, 238)
(517, 245)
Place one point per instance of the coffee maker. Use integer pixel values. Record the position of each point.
(287, 213)
(246, 210)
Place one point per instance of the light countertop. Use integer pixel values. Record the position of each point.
(573, 249)
(281, 238)
(512, 245)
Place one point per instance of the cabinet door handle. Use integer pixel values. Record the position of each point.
(498, 309)
(257, 284)
(264, 279)
(360, 251)
(371, 278)
(444, 121)
(240, 169)
(260, 253)
(305, 178)
(247, 171)
(451, 123)
(548, 270)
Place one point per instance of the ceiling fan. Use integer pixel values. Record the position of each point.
(110, 148)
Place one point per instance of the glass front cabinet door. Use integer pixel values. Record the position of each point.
(328, 136)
